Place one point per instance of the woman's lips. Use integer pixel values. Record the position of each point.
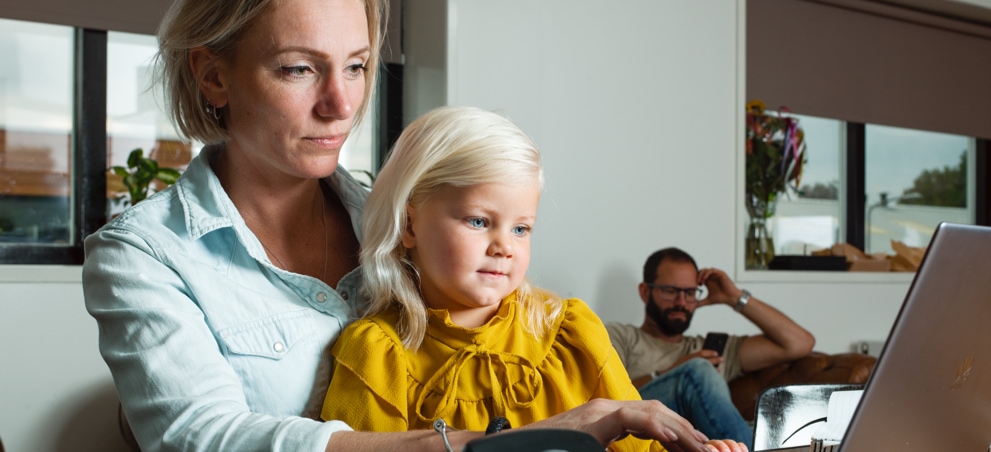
(330, 142)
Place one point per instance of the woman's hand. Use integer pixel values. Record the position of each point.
(725, 445)
(609, 420)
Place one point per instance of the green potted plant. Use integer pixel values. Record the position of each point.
(138, 176)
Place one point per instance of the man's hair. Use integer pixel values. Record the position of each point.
(446, 147)
(654, 261)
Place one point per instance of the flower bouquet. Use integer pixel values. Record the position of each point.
(775, 155)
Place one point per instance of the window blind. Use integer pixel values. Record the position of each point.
(868, 62)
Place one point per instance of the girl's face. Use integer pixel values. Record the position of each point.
(295, 81)
(472, 247)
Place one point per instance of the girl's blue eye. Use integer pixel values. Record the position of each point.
(476, 222)
(521, 230)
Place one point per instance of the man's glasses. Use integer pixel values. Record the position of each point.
(670, 293)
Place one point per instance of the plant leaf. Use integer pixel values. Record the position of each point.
(167, 175)
(134, 157)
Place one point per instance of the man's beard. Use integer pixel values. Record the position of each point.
(667, 326)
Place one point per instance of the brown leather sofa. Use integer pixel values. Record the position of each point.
(816, 368)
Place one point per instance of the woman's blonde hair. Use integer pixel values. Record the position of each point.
(218, 25)
(448, 146)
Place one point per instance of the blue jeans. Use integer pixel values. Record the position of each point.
(697, 392)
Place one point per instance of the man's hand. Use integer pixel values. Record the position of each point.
(781, 340)
(720, 287)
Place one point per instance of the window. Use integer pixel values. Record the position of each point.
(61, 128)
(135, 113)
(911, 180)
(812, 220)
(908, 92)
(35, 133)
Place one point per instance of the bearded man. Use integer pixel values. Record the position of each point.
(668, 366)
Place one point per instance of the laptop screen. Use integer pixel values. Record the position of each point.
(931, 387)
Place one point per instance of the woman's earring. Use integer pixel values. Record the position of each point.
(213, 111)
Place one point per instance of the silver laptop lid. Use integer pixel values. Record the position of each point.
(931, 387)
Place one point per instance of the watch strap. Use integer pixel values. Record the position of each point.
(742, 302)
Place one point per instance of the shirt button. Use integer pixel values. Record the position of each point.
(278, 347)
(344, 295)
(321, 297)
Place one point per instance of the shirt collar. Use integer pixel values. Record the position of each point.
(206, 206)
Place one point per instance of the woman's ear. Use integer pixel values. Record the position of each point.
(207, 70)
(409, 238)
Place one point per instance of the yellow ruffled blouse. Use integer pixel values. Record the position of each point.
(467, 376)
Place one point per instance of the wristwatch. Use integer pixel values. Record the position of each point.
(742, 302)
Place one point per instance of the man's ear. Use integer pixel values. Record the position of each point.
(409, 238)
(644, 290)
(207, 70)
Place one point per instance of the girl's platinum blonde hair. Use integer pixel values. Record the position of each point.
(448, 146)
(218, 25)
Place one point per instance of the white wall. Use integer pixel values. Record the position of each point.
(56, 393)
(636, 109)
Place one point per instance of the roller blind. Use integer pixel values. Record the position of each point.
(134, 16)
(866, 62)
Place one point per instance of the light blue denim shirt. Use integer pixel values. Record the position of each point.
(211, 346)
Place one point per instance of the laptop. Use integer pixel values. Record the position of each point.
(931, 386)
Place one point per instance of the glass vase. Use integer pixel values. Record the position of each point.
(759, 244)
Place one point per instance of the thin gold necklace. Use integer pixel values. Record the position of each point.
(323, 217)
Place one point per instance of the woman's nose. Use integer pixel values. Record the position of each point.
(335, 99)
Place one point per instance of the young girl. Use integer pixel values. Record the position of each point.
(456, 331)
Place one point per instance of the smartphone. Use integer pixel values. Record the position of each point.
(715, 341)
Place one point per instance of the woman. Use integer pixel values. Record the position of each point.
(218, 299)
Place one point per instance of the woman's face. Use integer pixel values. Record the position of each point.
(293, 85)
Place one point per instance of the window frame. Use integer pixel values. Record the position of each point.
(853, 197)
(88, 157)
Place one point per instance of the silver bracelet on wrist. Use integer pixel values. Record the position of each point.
(441, 426)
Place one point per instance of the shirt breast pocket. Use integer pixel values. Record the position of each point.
(276, 359)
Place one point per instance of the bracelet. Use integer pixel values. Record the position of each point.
(441, 426)
(497, 425)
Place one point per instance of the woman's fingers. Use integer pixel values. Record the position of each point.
(608, 420)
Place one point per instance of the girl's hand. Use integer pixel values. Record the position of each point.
(725, 445)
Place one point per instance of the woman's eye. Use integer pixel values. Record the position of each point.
(356, 70)
(476, 222)
(295, 71)
(521, 230)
